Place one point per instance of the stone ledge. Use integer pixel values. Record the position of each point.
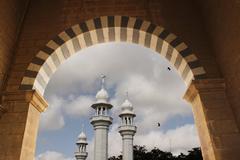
(204, 86)
(30, 96)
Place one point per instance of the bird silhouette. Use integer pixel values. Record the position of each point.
(159, 124)
(169, 68)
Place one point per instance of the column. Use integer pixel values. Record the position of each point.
(217, 128)
(127, 141)
(101, 142)
(19, 125)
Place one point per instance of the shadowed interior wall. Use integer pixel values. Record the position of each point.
(11, 17)
(222, 22)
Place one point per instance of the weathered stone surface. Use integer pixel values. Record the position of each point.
(208, 99)
(19, 125)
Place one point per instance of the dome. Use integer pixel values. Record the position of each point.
(82, 138)
(82, 135)
(102, 96)
(127, 105)
(127, 108)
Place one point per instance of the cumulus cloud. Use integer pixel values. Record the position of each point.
(115, 141)
(116, 60)
(149, 83)
(53, 118)
(79, 106)
(178, 140)
(152, 102)
(52, 155)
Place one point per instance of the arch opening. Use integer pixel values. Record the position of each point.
(90, 54)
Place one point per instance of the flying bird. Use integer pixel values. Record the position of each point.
(169, 68)
(159, 124)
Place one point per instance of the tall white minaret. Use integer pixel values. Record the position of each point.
(81, 153)
(127, 129)
(101, 122)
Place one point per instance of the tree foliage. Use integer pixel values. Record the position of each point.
(141, 153)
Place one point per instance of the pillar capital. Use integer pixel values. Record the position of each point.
(22, 117)
(29, 96)
(204, 86)
(214, 119)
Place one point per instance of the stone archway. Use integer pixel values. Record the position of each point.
(107, 29)
(207, 96)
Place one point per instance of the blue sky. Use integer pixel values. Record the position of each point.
(155, 92)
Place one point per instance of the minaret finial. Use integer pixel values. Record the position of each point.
(103, 79)
(127, 94)
(82, 127)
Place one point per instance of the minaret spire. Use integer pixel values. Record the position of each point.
(127, 129)
(81, 153)
(82, 127)
(101, 122)
(103, 80)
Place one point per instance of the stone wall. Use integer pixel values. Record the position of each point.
(210, 28)
(11, 17)
(222, 22)
(46, 19)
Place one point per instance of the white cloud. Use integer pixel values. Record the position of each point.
(116, 60)
(152, 88)
(52, 118)
(152, 102)
(155, 92)
(115, 141)
(79, 106)
(52, 155)
(180, 139)
(59, 108)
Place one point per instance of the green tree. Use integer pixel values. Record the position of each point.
(115, 158)
(141, 153)
(194, 154)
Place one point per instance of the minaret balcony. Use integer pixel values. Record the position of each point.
(101, 120)
(129, 128)
(81, 154)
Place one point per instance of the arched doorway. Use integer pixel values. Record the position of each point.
(205, 95)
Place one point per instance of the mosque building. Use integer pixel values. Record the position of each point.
(101, 120)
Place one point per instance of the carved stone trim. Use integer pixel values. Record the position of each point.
(31, 96)
(206, 85)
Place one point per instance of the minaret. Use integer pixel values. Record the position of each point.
(127, 129)
(101, 122)
(81, 153)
